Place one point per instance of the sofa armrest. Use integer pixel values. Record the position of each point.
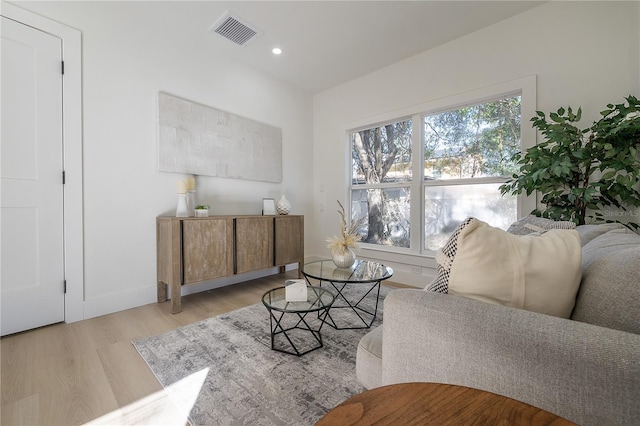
(584, 373)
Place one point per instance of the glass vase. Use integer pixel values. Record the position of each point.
(182, 210)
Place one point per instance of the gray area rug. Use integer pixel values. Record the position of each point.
(250, 384)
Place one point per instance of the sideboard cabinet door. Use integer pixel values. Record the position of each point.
(254, 243)
(207, 249)
(289, 237)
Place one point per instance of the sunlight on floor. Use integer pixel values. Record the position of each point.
(170, 406)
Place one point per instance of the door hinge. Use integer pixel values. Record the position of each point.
(62, 69)
(64, 177)
(65, 286)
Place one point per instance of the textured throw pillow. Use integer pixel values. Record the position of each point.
(444, 259)
(533, 224)
(539, 273)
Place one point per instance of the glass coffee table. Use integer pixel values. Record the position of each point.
(357, 289)
(290, 326)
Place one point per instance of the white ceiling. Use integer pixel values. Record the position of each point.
(326, 43)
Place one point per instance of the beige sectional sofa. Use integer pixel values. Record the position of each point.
(585, 369)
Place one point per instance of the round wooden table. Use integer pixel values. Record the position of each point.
(436, 404)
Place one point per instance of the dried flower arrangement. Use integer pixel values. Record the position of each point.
(348, 237)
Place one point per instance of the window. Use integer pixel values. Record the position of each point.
(381, 182)
(468, 152)
(451, 162)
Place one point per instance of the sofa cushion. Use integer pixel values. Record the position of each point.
(534, 224)
(608, 243)
(590, 232)
(540, 273)
(369, 359)
(609, 294)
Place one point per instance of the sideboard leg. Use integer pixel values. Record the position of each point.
(162, 292)
(176, 299)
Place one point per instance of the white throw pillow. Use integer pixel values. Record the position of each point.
(538, 273)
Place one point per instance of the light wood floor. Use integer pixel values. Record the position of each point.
(68, 374)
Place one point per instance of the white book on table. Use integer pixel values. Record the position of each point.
(295, 290)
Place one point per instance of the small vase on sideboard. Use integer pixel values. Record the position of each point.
(283, 206)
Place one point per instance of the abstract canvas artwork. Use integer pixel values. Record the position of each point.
(201, 140)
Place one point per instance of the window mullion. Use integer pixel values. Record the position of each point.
(466, 181)
(417, 193)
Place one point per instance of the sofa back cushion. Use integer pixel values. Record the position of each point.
(609, 294)
(590, 232)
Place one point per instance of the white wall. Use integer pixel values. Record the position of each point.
(582, 53)
(127, 60)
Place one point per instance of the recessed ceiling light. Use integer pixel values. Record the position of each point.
(276, 50)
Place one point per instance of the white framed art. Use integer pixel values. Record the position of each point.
(268, 206)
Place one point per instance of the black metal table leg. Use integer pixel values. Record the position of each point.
(349, 284)
(277, 328)
(363, 315)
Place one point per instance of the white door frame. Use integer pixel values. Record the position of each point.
(72, 155)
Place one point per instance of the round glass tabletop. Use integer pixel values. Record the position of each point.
(317, 299)
(362, 271)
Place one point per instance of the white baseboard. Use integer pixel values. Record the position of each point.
(412, 279)
(116, 302)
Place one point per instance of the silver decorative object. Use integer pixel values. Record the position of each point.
(343, 258)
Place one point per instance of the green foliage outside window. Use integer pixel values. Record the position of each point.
(473, 141)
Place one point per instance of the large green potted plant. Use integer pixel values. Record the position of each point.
(584, 175)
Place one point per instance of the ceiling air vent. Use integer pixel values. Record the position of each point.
(234, 29)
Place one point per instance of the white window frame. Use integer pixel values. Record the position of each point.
(461, 181)
(525, 87)
(382, 185)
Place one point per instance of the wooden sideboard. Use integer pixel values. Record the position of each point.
(192, 250)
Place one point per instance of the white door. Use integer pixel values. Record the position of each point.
(31, 202)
